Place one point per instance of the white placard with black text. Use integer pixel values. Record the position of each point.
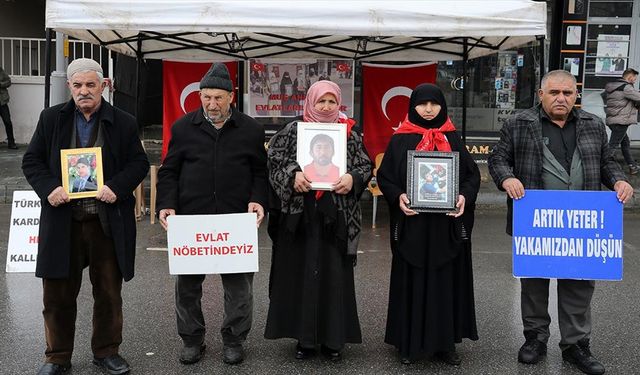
(212, 244)
(22, 249)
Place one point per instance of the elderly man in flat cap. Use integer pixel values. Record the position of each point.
(216, 164)
(96, 232)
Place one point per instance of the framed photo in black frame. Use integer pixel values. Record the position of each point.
(432, 180)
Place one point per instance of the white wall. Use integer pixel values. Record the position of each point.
(26, 102)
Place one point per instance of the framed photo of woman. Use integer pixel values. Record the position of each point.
(432, 180)
(322, 153)
(82, 174)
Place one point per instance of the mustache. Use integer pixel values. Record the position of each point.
(88, 96)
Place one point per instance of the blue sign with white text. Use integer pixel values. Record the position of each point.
(568, 234)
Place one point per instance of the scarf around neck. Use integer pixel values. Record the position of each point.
(432, 139)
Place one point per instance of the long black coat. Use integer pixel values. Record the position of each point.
(209, 172)
(124, 165)
(431, 302)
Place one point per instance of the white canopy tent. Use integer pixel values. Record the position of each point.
(361, 30)
(373, 30)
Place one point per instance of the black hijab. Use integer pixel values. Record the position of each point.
(423, 93)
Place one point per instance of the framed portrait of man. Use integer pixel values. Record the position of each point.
(322, 153)
(82, 174)
(432, 181)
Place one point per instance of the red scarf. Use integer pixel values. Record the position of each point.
(431, 138)
(350, 123)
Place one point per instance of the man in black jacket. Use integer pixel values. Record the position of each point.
(216, 164)
(96, 232)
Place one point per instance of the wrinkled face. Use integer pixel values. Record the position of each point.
(86, 90)
(83, 170)
(428, 110)
(326, 103)
(322, 153)
(216, 103)
(558, 96)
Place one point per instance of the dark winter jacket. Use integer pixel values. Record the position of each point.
(209, 171)
(5, 82)
(124, 165)
(519, 153)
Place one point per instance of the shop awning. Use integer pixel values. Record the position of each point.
(362, 30)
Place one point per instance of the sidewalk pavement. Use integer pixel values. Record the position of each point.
(11, 177)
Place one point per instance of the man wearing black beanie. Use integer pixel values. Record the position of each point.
(216, 164)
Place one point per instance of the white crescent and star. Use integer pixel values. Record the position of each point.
(390, 94)
(193, 86)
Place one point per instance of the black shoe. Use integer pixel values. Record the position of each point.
(114, 364)
(53, 369)
(532, 351)
(452, 358)
(12, 146)
(581, 357)
(633, 168)
(332, 355)
(405, 361)
(232, 355)
(192, 354)
(304, 353)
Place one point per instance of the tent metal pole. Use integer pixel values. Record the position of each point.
(139, 82)
(47, 68)
(542, 65)
(240, 78)
(465, 57)
(358, 65)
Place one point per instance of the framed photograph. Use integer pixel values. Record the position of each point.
(82, 174)
(432, 180)
(322, 152)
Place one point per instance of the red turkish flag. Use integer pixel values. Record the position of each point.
(180, 88)
(387, 89)
(342, 67)
(257, 67)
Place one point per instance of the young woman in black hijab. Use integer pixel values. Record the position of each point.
(431, 303)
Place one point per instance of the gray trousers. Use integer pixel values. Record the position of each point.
(238, 308)
(574, 309)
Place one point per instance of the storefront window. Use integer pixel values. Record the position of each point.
(610, 8)
(498, 86)
(607, 53)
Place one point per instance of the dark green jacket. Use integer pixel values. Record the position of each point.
(5, 82)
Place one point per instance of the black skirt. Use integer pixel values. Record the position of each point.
(431, 309)
(312, 293)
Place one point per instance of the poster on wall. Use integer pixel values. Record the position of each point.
(277, 88)
(612, 52)
(572, 65)
(574, 35)
(506, 80)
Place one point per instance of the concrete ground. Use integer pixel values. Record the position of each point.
(151, 343)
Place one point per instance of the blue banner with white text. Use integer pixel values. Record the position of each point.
(568, 234)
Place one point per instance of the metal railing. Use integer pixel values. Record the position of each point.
(26, 56)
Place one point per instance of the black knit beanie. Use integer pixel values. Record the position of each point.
(217, 78)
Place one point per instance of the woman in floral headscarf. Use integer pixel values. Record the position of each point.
(312, 294)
